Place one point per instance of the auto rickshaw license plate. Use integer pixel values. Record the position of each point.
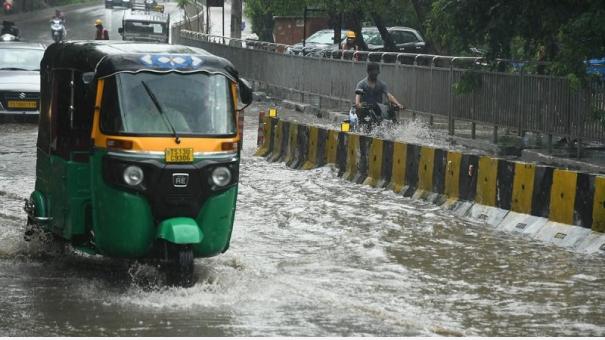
(179, 155)
(22, 104)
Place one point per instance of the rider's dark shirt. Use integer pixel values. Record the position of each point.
(373, 95)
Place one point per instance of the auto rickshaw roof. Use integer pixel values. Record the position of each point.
(107, 58)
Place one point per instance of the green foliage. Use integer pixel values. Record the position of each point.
(599, 115)
(470, 80)
(564, 32)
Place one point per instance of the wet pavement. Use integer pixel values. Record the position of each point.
(80, 22)
(311, 255)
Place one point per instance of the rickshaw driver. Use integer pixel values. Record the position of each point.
(142, 116)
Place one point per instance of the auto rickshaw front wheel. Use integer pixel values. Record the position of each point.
(180, 265)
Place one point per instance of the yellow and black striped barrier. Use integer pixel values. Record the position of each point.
(559, 195)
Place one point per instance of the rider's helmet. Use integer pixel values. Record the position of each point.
(350, 35)
(98, 22)
(373, 68)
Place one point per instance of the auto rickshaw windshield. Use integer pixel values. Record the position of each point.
(194, 104)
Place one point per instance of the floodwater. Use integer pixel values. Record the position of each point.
(311, 255)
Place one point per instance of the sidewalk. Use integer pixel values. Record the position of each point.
(423, 130)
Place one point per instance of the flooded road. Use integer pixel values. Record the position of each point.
(311, 255)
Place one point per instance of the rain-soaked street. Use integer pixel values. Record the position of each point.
(311, 255)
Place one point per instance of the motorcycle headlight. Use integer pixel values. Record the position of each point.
(133, 175)
(221, 176)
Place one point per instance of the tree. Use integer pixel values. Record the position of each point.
(564, 32)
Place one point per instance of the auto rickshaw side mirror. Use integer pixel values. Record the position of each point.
(87, 77)
(245, 91)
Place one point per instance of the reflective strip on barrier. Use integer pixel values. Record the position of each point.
(387, 164)
(278, 141)
(425, 168)
(452, 175)
(439, 171)
(523, 187)
(469, 172)
(562, 196)
(504, 184)
(540, 205)
(375, 162)
(332, 146)
(362, 160)
(584, 201)
(342, 152)
(598, 208)
(261, 123)
(312, 161)
(399, 167)
(352, 156)
(264, 130)
(486, 181)
(302, 147)
(412, 167)
(292, 143)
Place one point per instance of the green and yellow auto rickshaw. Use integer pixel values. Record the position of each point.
(137, 151)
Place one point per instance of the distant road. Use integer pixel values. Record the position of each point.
(80, 23)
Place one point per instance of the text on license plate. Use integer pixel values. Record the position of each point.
(179, 155)
(22, 104)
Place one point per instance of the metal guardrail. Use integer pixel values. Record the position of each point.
(524, 102)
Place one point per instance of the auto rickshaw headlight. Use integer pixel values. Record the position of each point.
(133, 175)
(221, 176)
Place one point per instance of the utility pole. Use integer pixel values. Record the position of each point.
(236, 19)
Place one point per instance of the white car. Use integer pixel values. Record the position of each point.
(20, 81)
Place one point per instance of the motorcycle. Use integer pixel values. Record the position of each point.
(8, 37)
(369, 116)
(57, 29)
(9, 31)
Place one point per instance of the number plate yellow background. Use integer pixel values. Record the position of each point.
(22, 104)
(179, 155)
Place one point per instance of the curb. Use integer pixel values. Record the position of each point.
(558, 206)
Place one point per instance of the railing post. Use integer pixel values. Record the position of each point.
(450, 112)
(550, 116)
(520, 105)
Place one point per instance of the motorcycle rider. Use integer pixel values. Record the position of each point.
(100, 33)
(351, 42)
(61, 21)
(8, 27)
(374, 90)
(59, 15)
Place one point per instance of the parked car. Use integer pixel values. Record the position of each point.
(596, 67)
(20, 80)
(316, 43)
(406, 39)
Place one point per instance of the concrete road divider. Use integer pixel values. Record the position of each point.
(540, 201)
